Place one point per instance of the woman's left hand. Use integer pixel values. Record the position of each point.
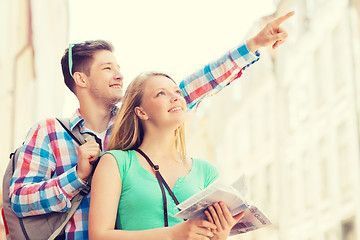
(220, 215)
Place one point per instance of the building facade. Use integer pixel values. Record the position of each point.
(35, 34)
(291, 124)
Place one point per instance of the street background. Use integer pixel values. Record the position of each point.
(290, 123)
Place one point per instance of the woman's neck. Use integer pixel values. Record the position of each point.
(159, 145)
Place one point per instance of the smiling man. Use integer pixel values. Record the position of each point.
(52, 168)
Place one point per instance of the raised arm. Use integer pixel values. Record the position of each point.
(216, 75)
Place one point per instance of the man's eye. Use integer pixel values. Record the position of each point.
(107, 68)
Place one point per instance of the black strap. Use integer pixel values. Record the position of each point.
(69, 132)
(23, 229)
(161, 182)
(85, 190)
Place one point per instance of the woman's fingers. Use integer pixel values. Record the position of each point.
(205, 224)
(215, 217)
(208, 216)
(227, 215)
(221, 216)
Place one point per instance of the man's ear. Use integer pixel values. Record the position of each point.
(80, 79)
(141, 113)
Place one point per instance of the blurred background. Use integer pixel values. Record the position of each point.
(290, 123)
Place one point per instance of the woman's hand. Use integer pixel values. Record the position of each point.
(220, 215)
(193, 230)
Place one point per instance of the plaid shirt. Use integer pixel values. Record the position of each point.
(45, 179)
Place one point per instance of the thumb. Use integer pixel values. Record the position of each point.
(279, 36)
(239, 216)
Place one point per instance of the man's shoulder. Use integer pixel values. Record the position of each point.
(45, 123)
(45, 129)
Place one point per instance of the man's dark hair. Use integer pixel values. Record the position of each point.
(82, 58)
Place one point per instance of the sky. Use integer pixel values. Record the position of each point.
(175, 37)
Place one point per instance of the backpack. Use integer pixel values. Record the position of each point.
(45, 226)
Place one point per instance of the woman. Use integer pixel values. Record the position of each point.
(125, 190)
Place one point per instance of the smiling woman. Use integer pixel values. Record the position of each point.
(151, 121)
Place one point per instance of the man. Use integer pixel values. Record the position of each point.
(52, 168)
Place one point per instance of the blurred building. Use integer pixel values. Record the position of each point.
(291, 123)
(34, 36)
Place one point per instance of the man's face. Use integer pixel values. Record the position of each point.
(105, 79)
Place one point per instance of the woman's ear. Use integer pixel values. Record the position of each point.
(141, 113)
(80, 79)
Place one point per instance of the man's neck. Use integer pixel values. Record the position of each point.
(96, 117)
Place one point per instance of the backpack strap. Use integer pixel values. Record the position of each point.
(75, 133)
(75, 202)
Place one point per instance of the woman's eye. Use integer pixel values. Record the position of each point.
(179, 92)
(160, 93)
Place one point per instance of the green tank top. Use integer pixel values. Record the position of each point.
(140, 206)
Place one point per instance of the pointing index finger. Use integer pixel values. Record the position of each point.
(283, 18)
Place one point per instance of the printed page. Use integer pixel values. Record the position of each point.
(252, 220)
(194, 207)
(232, 196)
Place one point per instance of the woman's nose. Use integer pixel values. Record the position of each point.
(174, 98)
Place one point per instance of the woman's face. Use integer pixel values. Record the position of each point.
(162, 102)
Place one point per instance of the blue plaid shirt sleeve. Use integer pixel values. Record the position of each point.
(38, 185)
(216, 75)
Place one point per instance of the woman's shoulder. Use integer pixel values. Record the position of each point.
(202, 163)
(123, 159)
(120, 154)
(206, 169)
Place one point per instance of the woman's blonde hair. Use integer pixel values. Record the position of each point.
(128, 132)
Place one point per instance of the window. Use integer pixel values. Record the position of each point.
(348, 230)
(341, 57)
(253, 187)
(307, 180)
(319, 79)
(267, 118)
(343, 157)
(303, 93)
(291, 109)
(298, 97)
(310, 8)
(323, 168)
(268, 187)
(293, 189)
(331, 234)
(251, 130)
(236, 91)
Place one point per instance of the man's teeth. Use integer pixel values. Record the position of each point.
(116, 86)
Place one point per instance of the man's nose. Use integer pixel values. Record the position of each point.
(118, 75)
